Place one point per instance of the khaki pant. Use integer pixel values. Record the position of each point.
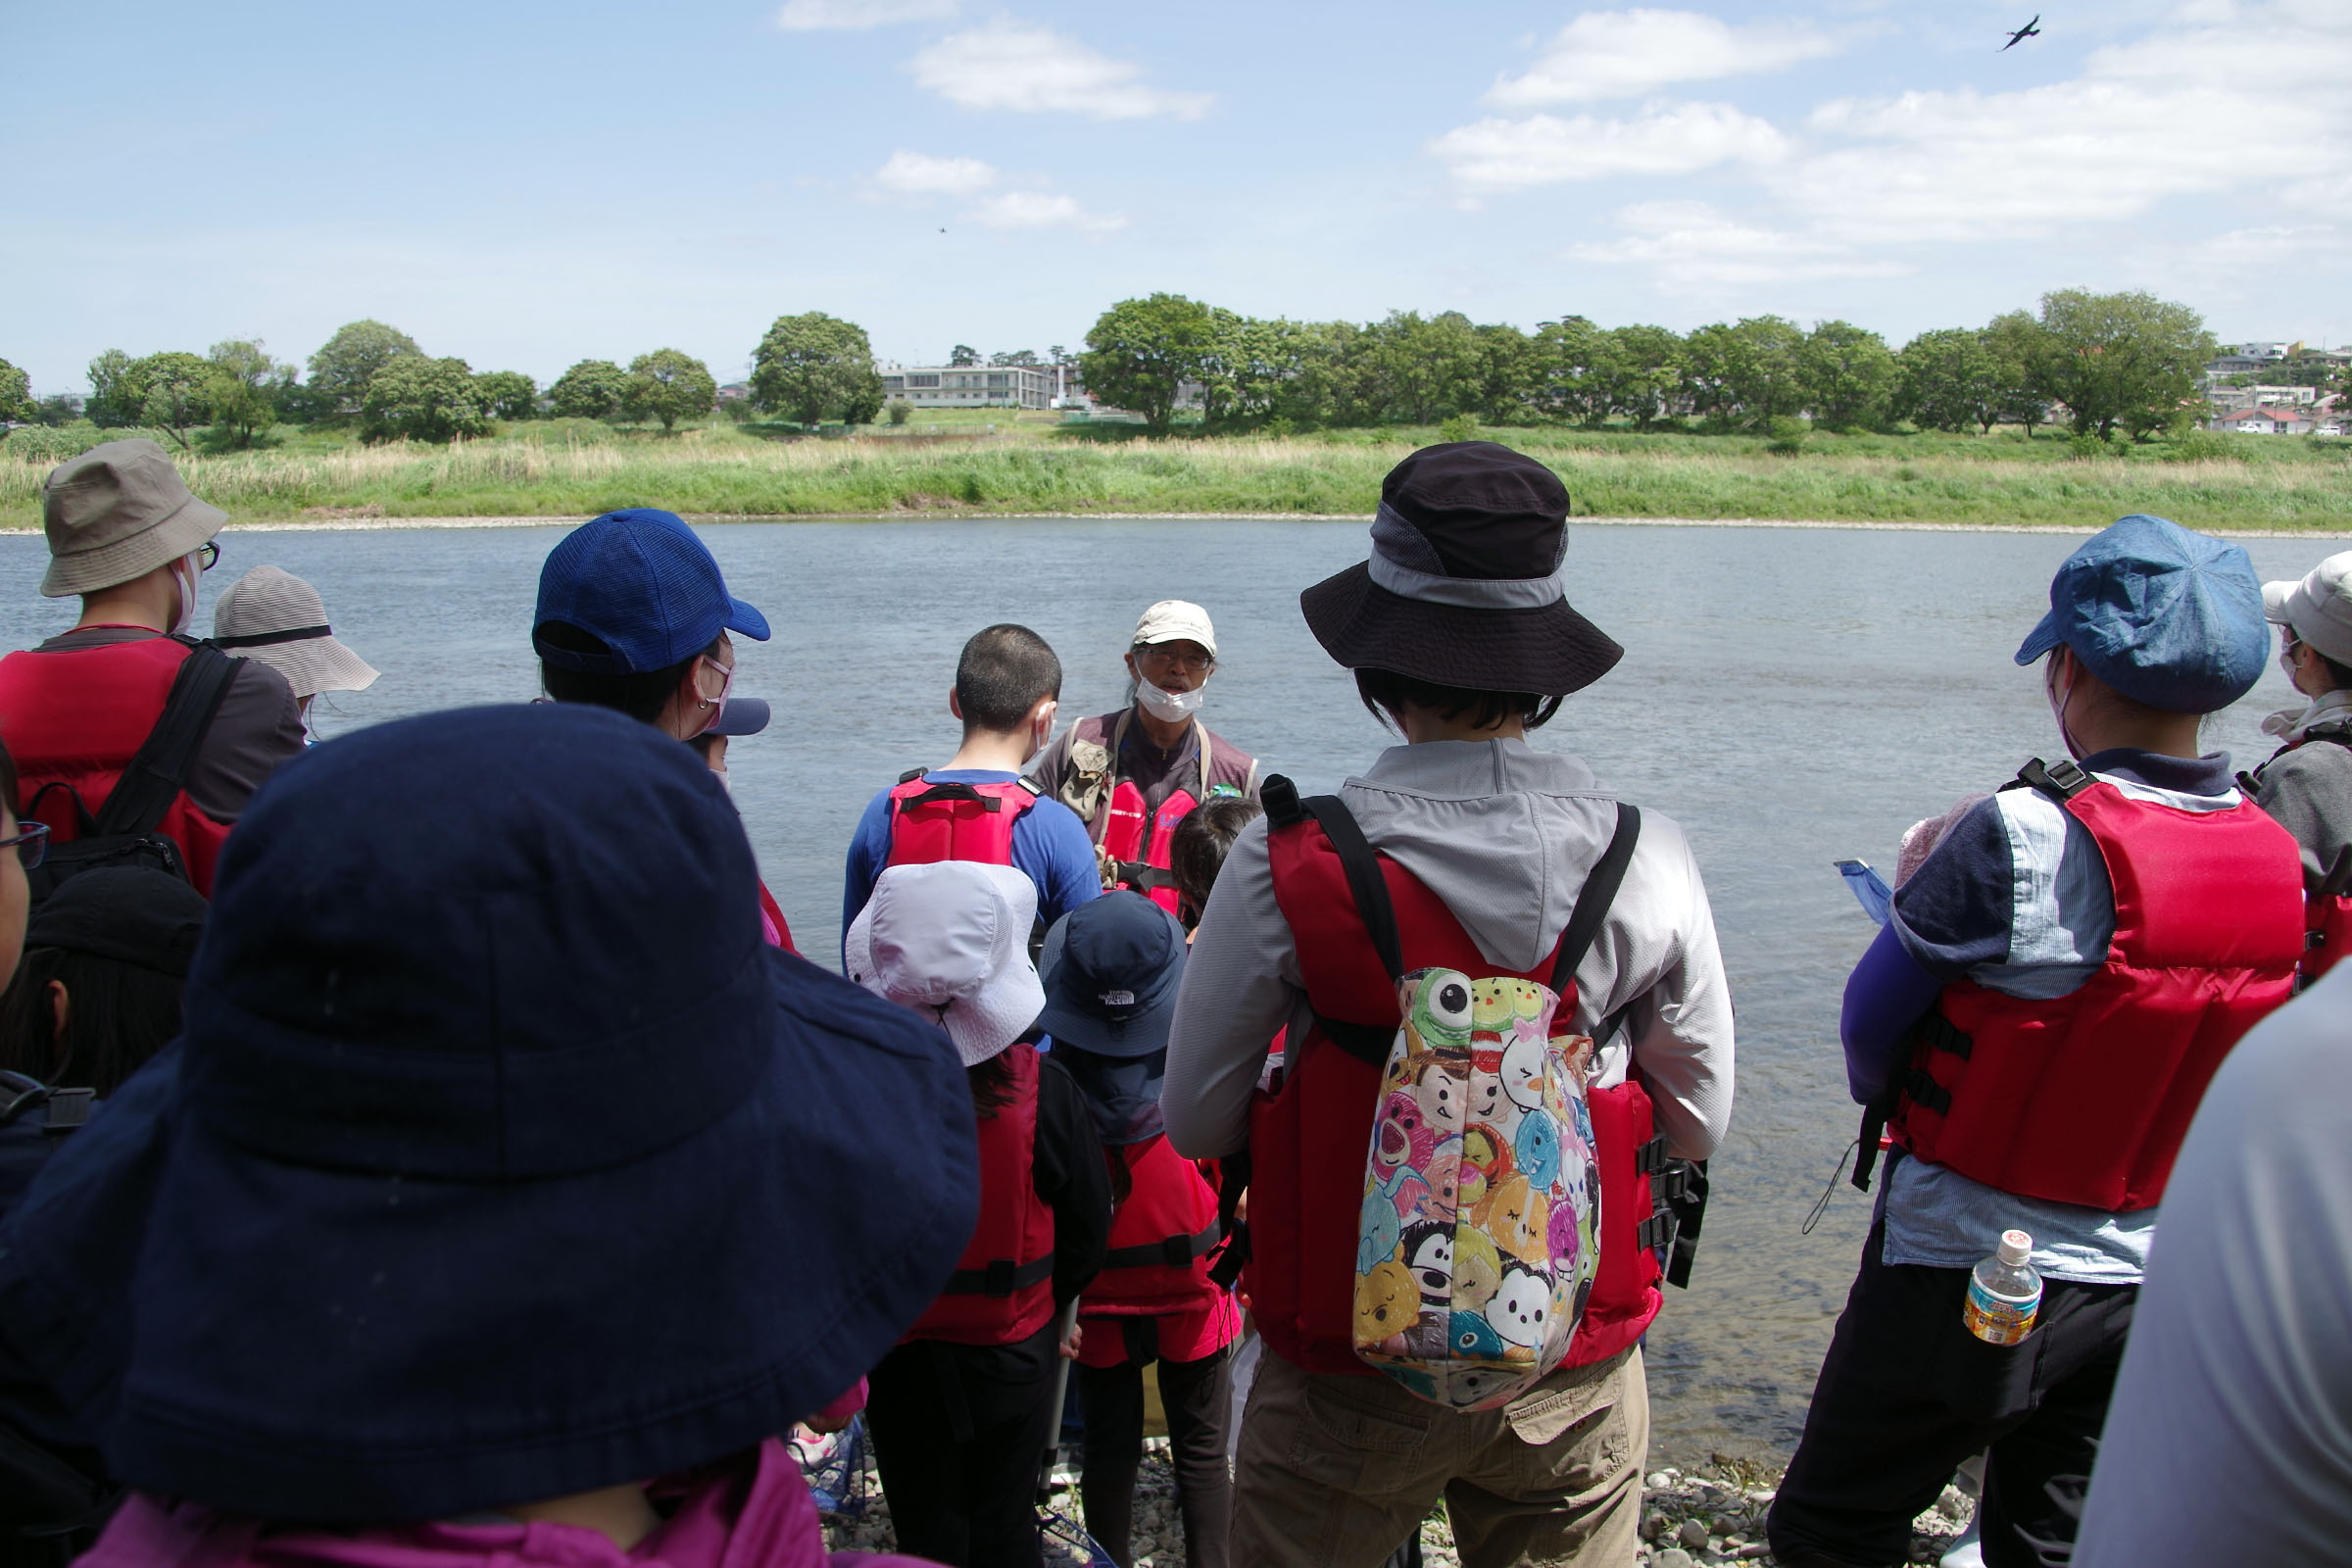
(1336, 1472)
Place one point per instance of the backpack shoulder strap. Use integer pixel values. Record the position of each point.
(1599, 893)
(160, 768)
(1364, 879)
(2061, 780)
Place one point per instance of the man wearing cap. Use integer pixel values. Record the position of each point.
(1460, 635)
(633, 615)
(2308, 788)
(2035, 1026)
(1134, 774)
(126, 536)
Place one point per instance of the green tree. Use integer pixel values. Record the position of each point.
(56, 409)
(1848, 374)
(1949, 380)
(243, 389)
(115, 397)
(1424, 368)
(962, 355)
(816, 366)
(668, 386)
(1646, 366)
(2013, 339)
(1510, 373)
(174, 390)
(418, 399)
(2129, 360)
(1022, 356)
(1573, 369)
(15, 395)
(508, 394)
(592, 389)
(1140, 353)
(345, 365)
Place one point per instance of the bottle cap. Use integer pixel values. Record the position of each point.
(2016, 1247)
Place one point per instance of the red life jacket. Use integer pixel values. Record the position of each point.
(1003, 1288)
(77, 717)
(2083, 1099)
(932, 822)
(1161, 1236)
(2328, 911)
(1142, 843)
(1307, 1139)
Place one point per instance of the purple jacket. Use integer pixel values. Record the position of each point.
(751, 1512)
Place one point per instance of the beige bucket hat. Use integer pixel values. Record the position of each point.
(272, 616)
(116, 513)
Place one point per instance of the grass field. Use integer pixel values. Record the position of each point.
(1000, 463)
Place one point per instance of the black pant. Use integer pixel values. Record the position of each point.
(959, 1438)
(1197, 1395)
(1906, 1393)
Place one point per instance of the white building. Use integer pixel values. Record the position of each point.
(970, 386)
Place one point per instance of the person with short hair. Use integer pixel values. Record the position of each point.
(1133, 775)
(633, 615)
(126, 536)
(505, 1200)
(2035, 1026)
(962, 1410)
(2308, 786)
(977, 807)
(1197, 852)
(1461, 637)
(275, 618)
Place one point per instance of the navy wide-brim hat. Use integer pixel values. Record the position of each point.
(2166, 615)
(1110, 968)
(1466, 586)
(500, 1160)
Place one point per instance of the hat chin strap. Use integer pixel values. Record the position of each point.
(1390, 531)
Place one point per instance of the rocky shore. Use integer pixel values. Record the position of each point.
(1708, 1514)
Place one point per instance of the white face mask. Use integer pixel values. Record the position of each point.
(1169, 707)
(186, 572)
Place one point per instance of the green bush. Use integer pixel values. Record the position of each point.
(1784, 435)
(34, 443)
(2086, 448)
(2206, 446)
(1457, 428)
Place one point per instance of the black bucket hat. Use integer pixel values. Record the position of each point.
(500, 1160)
(1465, 586)
(130, 913)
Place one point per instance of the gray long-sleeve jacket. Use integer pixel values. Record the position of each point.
(1506, 836)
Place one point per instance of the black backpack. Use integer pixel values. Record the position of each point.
(123, 830)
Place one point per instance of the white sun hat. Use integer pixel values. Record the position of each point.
(275, 617)
(951, 940)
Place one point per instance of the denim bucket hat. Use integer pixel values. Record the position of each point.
(2166, 616)
(644, 583)
(500, 1160)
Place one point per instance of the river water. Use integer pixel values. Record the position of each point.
(1791, 696)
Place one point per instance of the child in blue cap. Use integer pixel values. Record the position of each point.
(2035, 1026)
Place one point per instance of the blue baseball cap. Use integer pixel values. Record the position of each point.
(740, 715)
(644, 585)
(2166, 616)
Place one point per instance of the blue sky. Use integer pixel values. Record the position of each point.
(527, 184)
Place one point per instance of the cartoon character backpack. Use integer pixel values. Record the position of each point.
(1478, 1239)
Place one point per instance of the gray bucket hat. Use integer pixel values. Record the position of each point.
(272, 616)
(116, 513)
(2319, 609)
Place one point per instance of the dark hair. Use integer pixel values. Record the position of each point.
(1003, 670)
(1386, 693)
(640, 695)
(2338, 677)
(1197, 848)
(119, 1015)
(990, 1083)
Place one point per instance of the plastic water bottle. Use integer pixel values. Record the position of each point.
(2004, 1294)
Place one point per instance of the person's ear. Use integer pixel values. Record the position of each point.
(61, 1011)
(1042, 713)
(955, 704)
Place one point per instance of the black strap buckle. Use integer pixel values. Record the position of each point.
(1656, 1231)
(1927, 1093)
(1938, 1033)
(1652, 1157)
(2062, 779)
(69, 1108)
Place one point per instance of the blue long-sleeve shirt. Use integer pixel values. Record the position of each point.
(1050, 846)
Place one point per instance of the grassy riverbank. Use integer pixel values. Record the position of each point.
(574, 468)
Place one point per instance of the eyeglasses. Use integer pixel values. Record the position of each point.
(32, 842)
(208, 555)
(1169, 658)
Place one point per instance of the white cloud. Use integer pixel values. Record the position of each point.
(1029, 209)
(853, 15)
(1628, 54)
(1666, 138)
(910, 173)
(1695, 247)
(1020, 66)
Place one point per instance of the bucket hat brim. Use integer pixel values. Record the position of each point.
(710, 1292)
(186, 527)
(1549, 650)
(1141, 1032)
(316, 664)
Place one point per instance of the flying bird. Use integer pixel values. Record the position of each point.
(2032, 29)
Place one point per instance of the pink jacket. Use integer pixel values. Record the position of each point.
(751, 1512)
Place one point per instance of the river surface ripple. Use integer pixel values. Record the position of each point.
(1791, 696)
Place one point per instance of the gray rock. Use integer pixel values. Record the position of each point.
(1674, 1557)
(1693, 1535)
